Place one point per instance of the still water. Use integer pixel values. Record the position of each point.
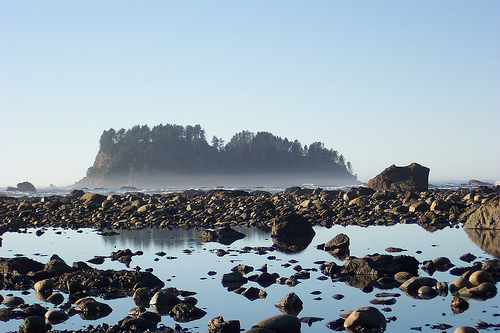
(189, 271)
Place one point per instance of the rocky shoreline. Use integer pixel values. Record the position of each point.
(288, 216)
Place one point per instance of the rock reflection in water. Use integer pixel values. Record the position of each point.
(292, 244)
(488, 240)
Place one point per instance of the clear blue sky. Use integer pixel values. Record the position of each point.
(382, 82)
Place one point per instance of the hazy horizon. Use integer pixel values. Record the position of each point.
(380, 82)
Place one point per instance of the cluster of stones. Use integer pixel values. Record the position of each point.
(82, 283)
(383, 271)
(433, 209)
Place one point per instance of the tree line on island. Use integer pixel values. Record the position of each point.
(175, 149)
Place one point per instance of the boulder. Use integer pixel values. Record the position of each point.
(186, 312)
(90, 309)
(44, 285)
(218, 325)
(413, 177)
(23, 187)
(292, 225)
(224, 236)
(34, 324)
(380, 265)
(340, 241)
(413, 285)
(290, 304)
(163, 301)
(366, 318)
(56, 316)
(485, 217)
(279, 324)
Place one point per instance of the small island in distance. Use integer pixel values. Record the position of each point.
(174, 155)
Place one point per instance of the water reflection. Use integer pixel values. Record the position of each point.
(488, 240)
(175, 239)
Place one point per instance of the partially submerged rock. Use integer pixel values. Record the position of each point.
(224, 236)
(279, 324)
(366, 318)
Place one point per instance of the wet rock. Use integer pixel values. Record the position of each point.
(34, 324)
(336, 325)
(56, 298)
(253, 293)
(290, 304)
(21, 265)
(366, 318)
(142, 296)
(185, 312)
(427, 292)
(57, 266)
(224, 236)
(293, 225)
(243, 269)
(479, 277)
(340, 241)
(468, 257)
(361, 272)
(56, 316)
(13, 301)
(419, 206)
(279, 324)
(413, 285)
(233, 280)
(465, 329)
(163, 301)
(458, 305)
(413, 177)
(90, 309)
(401, 277)
(459, 284)
(44, 285)
(218, 325)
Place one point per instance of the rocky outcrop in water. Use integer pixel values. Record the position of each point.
(22, 187)
(413, 177)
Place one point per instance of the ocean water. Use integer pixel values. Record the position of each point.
(190, 272)
(49, 191)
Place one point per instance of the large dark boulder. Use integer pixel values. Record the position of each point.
(413, 177)
(224, 236)
(292, 225)
(23, 187)
(485, 217)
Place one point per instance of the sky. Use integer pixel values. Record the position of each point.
(381, 82)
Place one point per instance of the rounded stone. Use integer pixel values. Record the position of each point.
(479, 277)
(402, 277)
(13, 301)
(56, 298)
(465, 329)
(44, 285)
(280, 324)
(426, 292)
(366, 318)
(56, 316)
(459, 284)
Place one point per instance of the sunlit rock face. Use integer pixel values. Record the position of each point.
(485, 217)
(413, 177)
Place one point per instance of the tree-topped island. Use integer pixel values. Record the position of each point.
(174, 155)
